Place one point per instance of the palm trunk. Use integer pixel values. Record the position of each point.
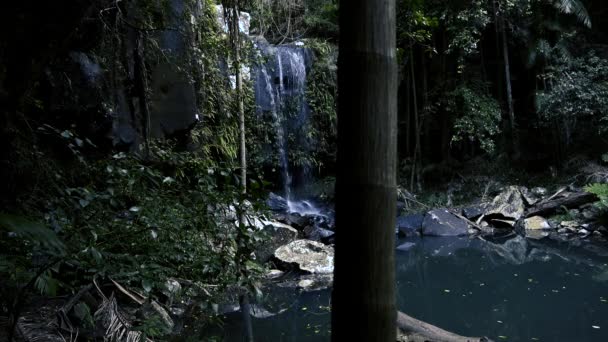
(363, 301)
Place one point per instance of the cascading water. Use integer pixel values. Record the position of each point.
(280, 91)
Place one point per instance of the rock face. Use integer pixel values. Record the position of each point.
(308, 256)
(536, 223)
(508, 205)
(280, 234)
(440, 222)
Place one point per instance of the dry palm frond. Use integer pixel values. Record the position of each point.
(118, 328)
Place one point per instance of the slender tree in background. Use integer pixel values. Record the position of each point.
(231, 10)
(363, 300)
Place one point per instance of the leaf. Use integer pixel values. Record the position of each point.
(146, 285)
(96, 255)
(83, 313)
(83, 203)
(46, 284)
(32, 231)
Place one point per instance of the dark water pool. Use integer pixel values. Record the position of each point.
(512, 290)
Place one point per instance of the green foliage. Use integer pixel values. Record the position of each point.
(577, 88)
(601, 191)
(287, 21)
(477, 116)
(321, 95)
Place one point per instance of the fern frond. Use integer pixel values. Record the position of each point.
(575, 8)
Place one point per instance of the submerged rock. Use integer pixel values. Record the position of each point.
(307, 255)
(440, 222)
(406, 246)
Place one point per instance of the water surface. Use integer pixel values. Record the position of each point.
(512, 290)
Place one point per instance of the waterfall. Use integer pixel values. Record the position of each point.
(280, 91)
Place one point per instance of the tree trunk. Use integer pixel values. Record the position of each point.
(416, 123)
(363, 302)
(141, 87)
(505, 54)
(236, 45)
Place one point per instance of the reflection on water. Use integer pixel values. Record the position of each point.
(512, 290)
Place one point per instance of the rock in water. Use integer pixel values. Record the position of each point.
(410, 224)
(509, 204)
(280, 234)
(309, 256)
(536, 223)
(440, 222)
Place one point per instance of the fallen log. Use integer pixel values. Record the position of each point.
(570, 200)
(416, 330)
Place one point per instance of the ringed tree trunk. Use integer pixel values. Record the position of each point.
(363, 300)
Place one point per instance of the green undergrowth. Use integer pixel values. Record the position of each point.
(135, 219)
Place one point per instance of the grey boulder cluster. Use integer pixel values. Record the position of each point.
(535, 213)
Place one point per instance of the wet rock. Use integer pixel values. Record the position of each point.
(536, 223)
(410, 224)
(440, 222)
(537, 234)
(570, 225)
(474, 211)
(276, 203)
(530, 197)
(296, 220)
(280, 234)
(306, 255)
(406, 246)
(583, 232)
(317, 234)
(508, 205)
(273, 274)
(539, 191)
(316, 282)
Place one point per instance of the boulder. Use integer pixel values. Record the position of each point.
(529, 196)
(536, 223)
(474, 211)
(410, 224)
(296, 220)
(280, 234)
(317, 234)
(508, 205)
(440, 222)
(307, 255)
(276, 203)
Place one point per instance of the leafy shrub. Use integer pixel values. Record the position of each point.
(601, 191)
(478, 116)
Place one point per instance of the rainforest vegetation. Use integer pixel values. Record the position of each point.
(168, 166)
